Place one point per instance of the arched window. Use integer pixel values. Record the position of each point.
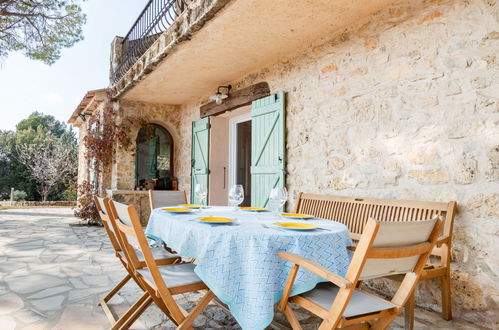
(154, 157)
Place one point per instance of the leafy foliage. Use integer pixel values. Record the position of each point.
(39, 28)
(36, 129)
(86, 210)
(70, 193)
(49, 162)
(20, 195)
(99, 141)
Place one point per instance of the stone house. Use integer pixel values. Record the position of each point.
(387, 99)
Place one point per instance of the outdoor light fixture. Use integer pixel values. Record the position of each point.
(218, 97)
(82, 116)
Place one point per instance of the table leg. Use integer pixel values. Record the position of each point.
(273, 325)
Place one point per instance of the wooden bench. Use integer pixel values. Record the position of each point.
(354, 212)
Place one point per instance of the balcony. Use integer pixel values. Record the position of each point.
(212, 42)
(155, 18)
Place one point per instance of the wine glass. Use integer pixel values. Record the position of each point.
(236, 195)
(277, 199)
(201, 192)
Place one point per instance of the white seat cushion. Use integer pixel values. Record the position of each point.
(157, 253)
(359, 304)
(174, 275)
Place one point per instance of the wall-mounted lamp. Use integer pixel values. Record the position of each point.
(82, 116)
(218, 97)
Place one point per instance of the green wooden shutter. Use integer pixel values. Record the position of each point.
(200, 155)
(268, 147)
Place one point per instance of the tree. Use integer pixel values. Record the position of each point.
(47, 123)
(39, 28)
(50, 163)
(12, 172)
(37, 129)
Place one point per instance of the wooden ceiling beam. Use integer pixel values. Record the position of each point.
(236, 100)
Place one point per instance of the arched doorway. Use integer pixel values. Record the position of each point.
(154, 158)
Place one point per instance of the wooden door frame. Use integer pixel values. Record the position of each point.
(233, 145)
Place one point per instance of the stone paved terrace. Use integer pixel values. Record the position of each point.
(52, 274)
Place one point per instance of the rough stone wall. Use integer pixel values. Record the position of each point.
(404, 105)
(132, 116)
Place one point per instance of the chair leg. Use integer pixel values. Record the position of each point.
(290, 315)
(103, 302)
(383, 323)
(186, 323)
(409, 313)
(133, 312)
(446, 297)
(116, 288)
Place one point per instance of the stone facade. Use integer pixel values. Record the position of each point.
(132, 116)
(403, 105)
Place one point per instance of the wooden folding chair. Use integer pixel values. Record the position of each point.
(163, 256)
(162, 198)
(354, 212)
(162, 283)
(384, 248)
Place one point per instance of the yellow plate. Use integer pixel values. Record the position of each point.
(191, 206)
(215, 220)
(253, 209)
(297, 216)
(295, 225)
(176, 210)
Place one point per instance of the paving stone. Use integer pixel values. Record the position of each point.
(7, 323)
(33, 282)
(27, 316)
(79, 295)
(96, 280)
(50, 292)
(49, 304)
(81, 318)
(10, 303)
(77, 283)
(37, 326)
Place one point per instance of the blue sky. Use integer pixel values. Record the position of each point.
(27, 85)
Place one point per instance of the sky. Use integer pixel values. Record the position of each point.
(27, 85)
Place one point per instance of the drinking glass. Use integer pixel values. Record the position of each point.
(236, 195)
(277, 199)
(201, 192)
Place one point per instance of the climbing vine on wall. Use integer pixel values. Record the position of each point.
(100, 139)
(102, 134)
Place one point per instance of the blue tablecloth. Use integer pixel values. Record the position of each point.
(238, 262)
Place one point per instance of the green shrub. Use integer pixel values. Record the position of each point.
(20, 195)
(70, 193)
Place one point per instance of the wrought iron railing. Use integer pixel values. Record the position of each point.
(157, 16)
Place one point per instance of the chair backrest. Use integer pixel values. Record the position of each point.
(127, 238)
(354, 212)
(128, 224)
(163, 198)
(101, 205)
(397, 235)
(133, 236)
(382, 250)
